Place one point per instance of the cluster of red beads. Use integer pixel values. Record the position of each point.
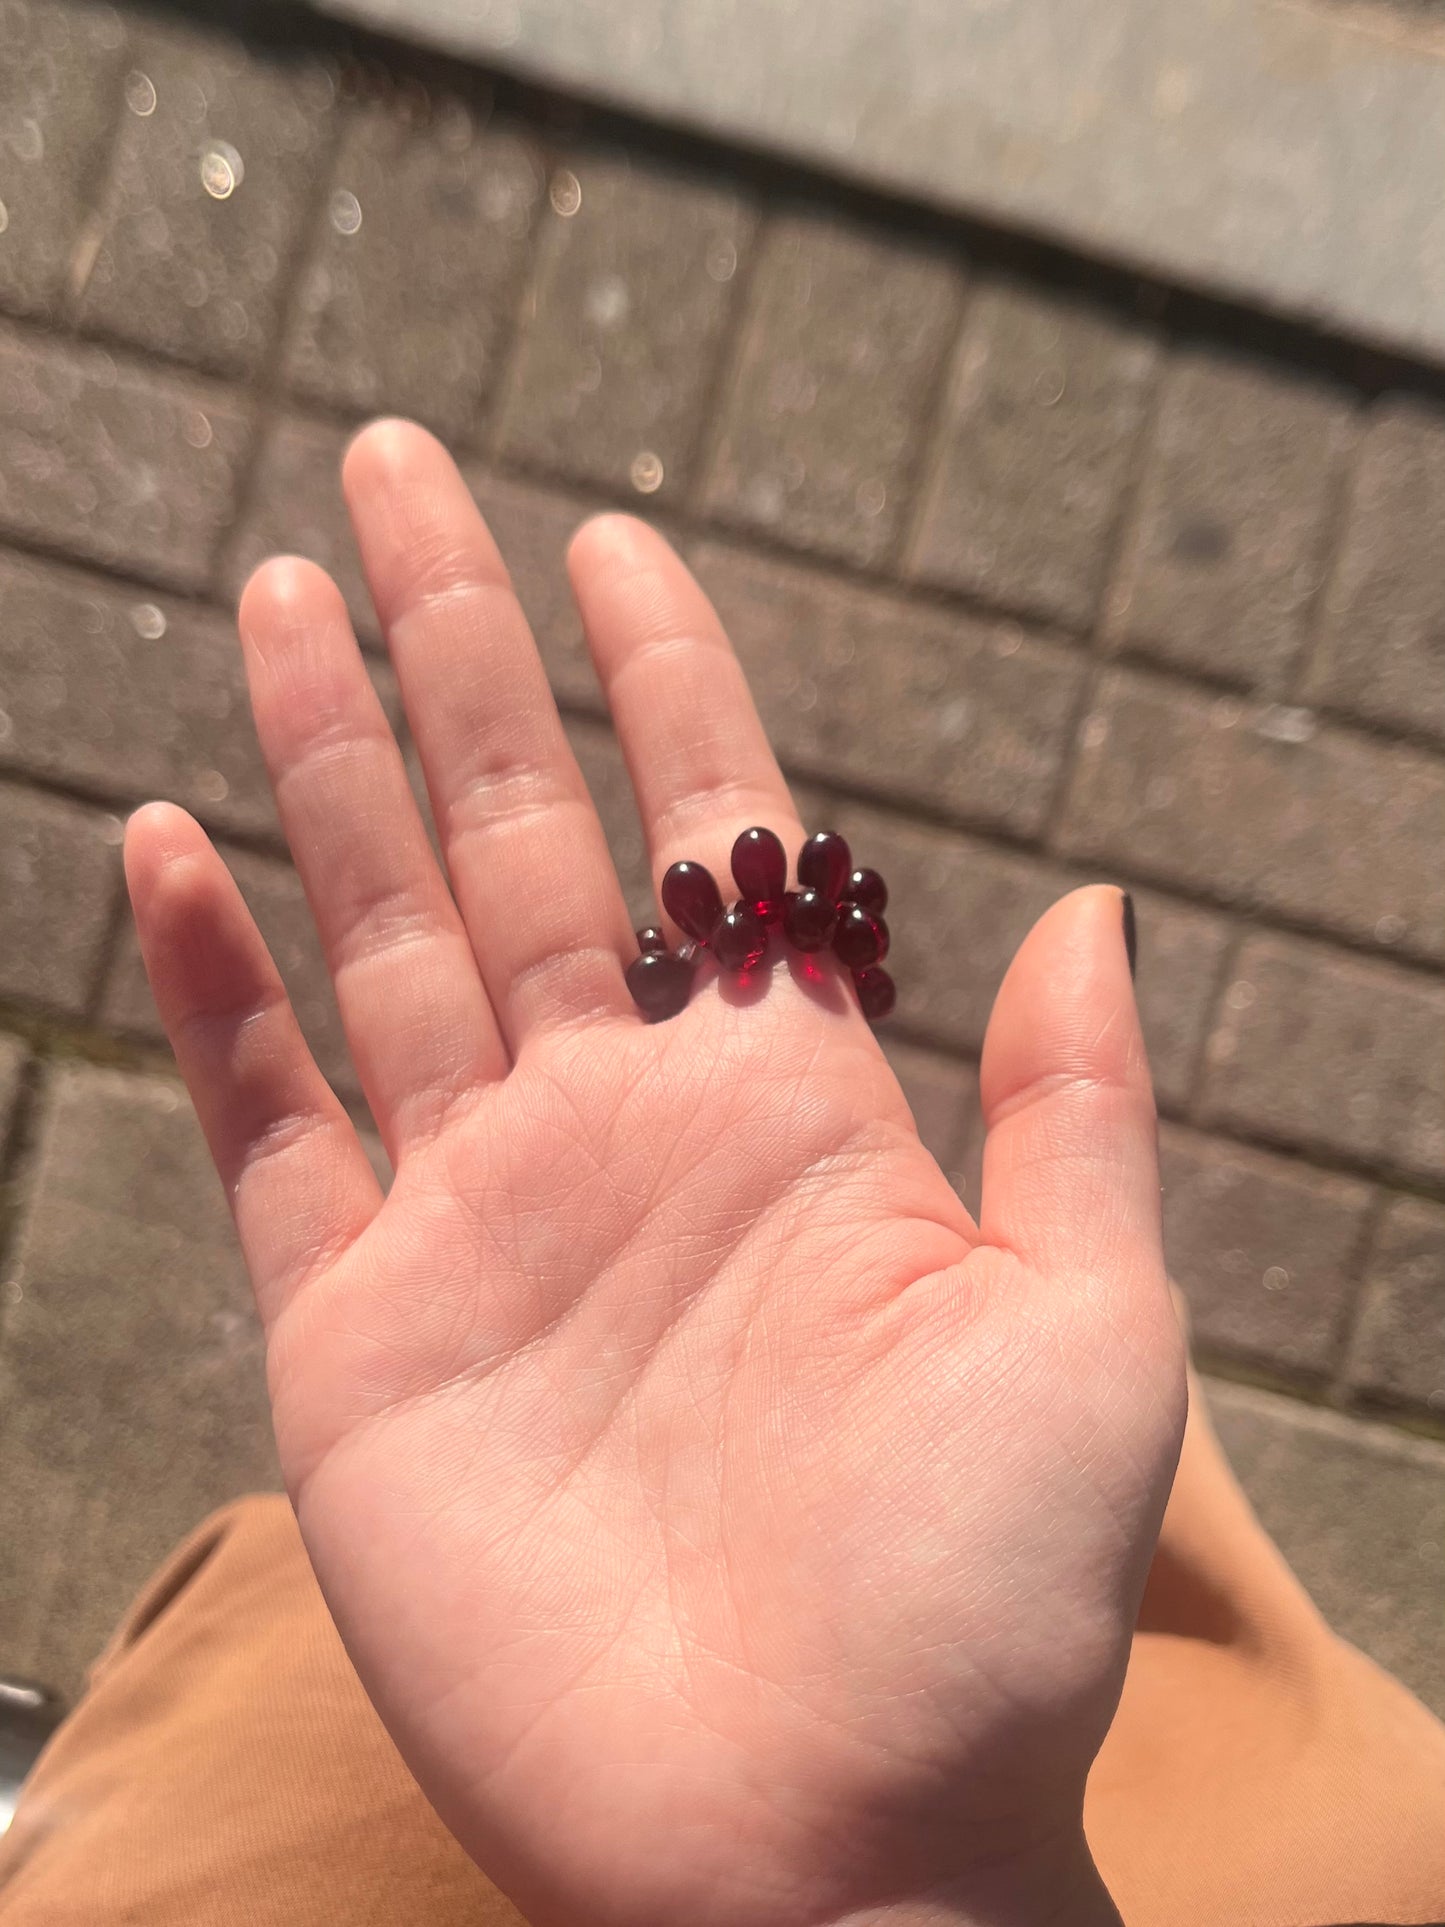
(834, 907)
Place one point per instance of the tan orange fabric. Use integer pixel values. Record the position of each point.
(226, 1769)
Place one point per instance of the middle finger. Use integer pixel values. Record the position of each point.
(527, 855)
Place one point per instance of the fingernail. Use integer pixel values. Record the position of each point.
(1131, 934)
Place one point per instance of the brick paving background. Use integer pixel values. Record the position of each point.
(1040, 576)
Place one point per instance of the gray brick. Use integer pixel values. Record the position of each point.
(59, 870)
(59, 69)
(910, 702)
(1321, 1051)
(134, 697)
(1399, 1349)
(210, 184)
(958, 910)
(1382, 651)
(295, 507)
(407, 300)
(532, 527)
(273, 890)
(132, 1369)
(942, 1093)
(1181, 959)
(13, 1059)
(1359, 1512)
(1265, 1248)
(600, 757)
(1229, 541)
(839, 361)
(137, 698)
(1046, 404)
(1262, 806)
(622, 329)
(116, 464)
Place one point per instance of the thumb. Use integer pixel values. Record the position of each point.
(1071, 1172)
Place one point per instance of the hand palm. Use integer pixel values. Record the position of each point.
(695, 1486)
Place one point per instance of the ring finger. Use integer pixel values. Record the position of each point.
(701, 765)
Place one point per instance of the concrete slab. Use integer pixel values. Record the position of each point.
(1359, 1512)
(1286, 154)
(131, 1374)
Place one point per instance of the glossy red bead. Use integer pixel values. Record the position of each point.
(692, 899)
(809, 920)
(760, 867)
(651, 938)
(876, 993)
(739, 939)
(859, 940)
(867, 888)
(660, 983)
(824, 863)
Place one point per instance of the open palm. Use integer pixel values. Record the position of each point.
(727, 1527)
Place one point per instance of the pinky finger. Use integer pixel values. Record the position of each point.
(296, 1176)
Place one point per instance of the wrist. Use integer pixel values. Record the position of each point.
(1059, 1887)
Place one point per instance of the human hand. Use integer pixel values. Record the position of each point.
(726, 1527)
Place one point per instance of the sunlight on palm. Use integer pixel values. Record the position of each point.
(675, 1452)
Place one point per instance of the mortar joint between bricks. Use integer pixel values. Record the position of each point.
(1115, 548)
(122, 803)
(923, 470)
(85, 241)
(715, 400)
(1228, 962)
(1341, 1393)
(692, 525)
(269, 390)
(17, 1152)
(484, 438)
(108, 949)
(1334, 529)
(1124, 527)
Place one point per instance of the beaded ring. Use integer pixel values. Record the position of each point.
(835, 907)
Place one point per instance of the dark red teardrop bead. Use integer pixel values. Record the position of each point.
(824, 863)
(651, 938)
(760, 866)
(876, 993)
(809, 920)
(867, 888)
(660, 984)
(740, 938)
(692, 899)
(859, 940)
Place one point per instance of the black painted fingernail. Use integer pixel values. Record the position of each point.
(1131, 934)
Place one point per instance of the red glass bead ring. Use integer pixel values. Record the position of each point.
(859, 940)
(834, 906)
(760, 870)
(690, 896)
(660, 983)
(867, 888)
(824, 863)
(740, 938)
(876, 993)
(809, 920)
